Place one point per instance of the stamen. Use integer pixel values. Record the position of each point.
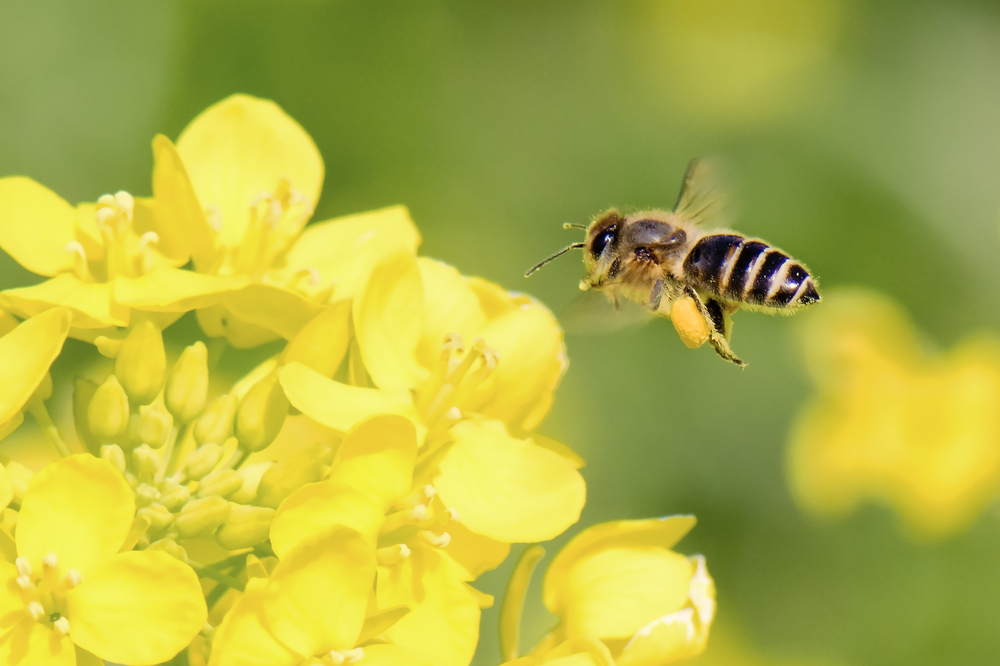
(214, 217)
(126, 202)
(106, 199)
(23, 582)
(436, 540)
(454, 414)
(35, 610)
(149, 238)
(73, 578)
(23, 567)
(61, 626)
(347, 656)
(418, 513)
(102, 215)
(430, 491)
(392, 554)
(77, 247)
(50, 562)
(452, 514)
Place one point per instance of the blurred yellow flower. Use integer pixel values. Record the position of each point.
(892, 422)
(70, 586)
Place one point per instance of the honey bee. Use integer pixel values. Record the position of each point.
(665, 262)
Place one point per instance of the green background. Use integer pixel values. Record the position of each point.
(866, 142)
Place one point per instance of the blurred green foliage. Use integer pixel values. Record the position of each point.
(866, 137)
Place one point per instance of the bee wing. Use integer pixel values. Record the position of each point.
(591, 313)
(703, 197)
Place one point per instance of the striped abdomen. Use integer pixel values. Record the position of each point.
(749, 271)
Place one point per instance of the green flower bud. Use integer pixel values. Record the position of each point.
(216, 424)
(155, 424)
(187, 383)
(142, 363)
(146, 461)
(146, 494)
(202, 460)
(20, 477)
(261, 414)
(251, 479)
(223, 483)
(170, 547)
(108, 413)
(173, 495)
(114, 455)
(246, 526)
(201, 517)
(158, 517)
(286, 476)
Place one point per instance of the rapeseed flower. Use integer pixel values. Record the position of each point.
(622, 597)
(76, 591)
(893, 422)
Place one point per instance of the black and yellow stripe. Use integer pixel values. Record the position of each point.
(748, 271)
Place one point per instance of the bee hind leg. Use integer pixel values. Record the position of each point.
(715, 314)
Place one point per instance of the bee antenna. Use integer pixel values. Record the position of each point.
(573, 246)
(572, 225)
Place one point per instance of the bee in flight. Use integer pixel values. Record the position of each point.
(665, 262)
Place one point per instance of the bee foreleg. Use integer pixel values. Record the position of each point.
(656, 295)
(715, 316)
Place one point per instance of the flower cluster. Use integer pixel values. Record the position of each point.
(335, 503)
(893, 422)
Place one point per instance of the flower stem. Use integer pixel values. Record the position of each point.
(41, 414)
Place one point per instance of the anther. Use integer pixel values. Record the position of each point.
(73, 578)
(36, 610)
(23, 567)
(61, 626)
(77, 248)
(149, 238)
(436, 540)
(23, 582)
(102, 215)
(418, 513)
(50, 562)
(347, 656)
(392, 554)
(430, 491)
(454, 414)
(126, 202)
(452, 514)
(106, 199)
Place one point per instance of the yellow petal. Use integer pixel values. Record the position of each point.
(6, 489)
(317, 595)
(388, 315)
(25, 356)
(513, 601)
(79, 508)
(667, 640)
(180, 221)
(450, 306)
(11, 424)
(35, 226)
(218, 321)
(140, 607)
(345, 249)
(475, 553)
(508, 489)
(340, 406)
(532, 360)
(277, 309)
(241, 639)
(91, 302)
(377, 458)
(393, 655)
(314, 509)
(84, 658)
(168, 289)
(443, 622)
(31, 643)
(322, 343)
(240, 147)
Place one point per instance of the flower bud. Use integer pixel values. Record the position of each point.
(108, 413)
(251, 479)
(114, 455)
(246, 526)
(108, 346)
(290, 474)
(216, 424)
(170, 547)
(261, 414)
(142, 363)
(155, 424)
(201, 517)
(173, 495)
(187, 383)
(158, 517)
(202, 460)
(223, 483)
(146, 461)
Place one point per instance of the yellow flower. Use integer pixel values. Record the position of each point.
(70, 585)
(245, 178)
(424, 554)
(620, 583)
(93, 254)
(471, 405)
(313, 609)
(26, 352)
(894, 423)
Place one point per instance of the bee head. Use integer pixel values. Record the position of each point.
(603, 233)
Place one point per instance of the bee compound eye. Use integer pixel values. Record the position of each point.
(602, 240)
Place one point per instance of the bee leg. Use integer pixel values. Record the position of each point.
(656, 295)
(714, 314)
